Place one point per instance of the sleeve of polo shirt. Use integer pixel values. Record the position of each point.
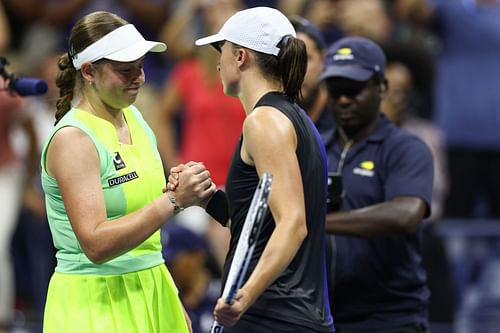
(409, 170)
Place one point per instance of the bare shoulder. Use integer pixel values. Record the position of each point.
(267, 122)
(267, 132)
(70, 138)
(69, 147)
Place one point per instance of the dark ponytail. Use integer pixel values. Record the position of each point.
(289, 67)
(292, 64)
(86, 31)
(65, 81)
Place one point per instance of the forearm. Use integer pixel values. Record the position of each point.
(174, 30)
(61, 13)
(165, 134)
(279, 252)
(416, 11)
(149, 12)
(398, 216)
(111, 239)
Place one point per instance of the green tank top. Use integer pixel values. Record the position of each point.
(131, 177)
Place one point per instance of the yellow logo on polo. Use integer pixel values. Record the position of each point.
(366, 169)
(344, 51)
(367, 165)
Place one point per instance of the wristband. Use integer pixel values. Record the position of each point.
(218, 207)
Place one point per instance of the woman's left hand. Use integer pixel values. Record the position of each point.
(229, 314)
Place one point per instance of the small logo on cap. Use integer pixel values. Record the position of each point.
(344, 53)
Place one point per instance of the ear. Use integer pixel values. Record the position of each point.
(384, 87)
(87, 71)
(242, 57)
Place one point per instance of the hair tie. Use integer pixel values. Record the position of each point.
(285, 39)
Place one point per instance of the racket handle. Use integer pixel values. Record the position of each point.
(216, 327)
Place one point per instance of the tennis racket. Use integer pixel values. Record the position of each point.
(246, 243)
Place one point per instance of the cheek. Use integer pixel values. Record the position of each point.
(229, 77)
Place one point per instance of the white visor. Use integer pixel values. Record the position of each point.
(123, 44)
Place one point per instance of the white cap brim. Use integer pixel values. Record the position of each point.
(209, 40)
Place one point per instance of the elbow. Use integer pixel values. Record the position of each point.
(301, 232)
(409, 225)
(97, 255)
(296, 231)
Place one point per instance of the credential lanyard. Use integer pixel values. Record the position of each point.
(348, 144)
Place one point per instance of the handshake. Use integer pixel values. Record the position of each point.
(190, 185)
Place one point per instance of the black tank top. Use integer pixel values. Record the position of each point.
(298, 294)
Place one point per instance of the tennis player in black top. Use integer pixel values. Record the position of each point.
(263, 64)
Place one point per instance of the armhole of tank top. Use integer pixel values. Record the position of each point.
(46, 148)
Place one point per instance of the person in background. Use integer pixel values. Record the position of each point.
(314, 96)
(187, 256)
(399, 109)
(466, 113)
(396, 105)
(263, 64)
(15, 171)
(33, 248)
(381, 186)
(103, 181)
(194, 120)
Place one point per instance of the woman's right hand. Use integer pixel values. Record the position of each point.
(191, 184)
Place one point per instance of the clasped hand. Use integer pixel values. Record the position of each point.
(191, 184)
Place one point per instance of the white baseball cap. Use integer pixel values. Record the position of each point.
(122, 44)
(259, 29)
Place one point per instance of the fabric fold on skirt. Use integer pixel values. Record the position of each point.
(145, 301)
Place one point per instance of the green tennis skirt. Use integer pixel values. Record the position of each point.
(144, 302)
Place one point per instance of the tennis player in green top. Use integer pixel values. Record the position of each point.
(104, 182)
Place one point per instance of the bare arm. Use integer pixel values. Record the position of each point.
(292, 7)
(152, 13)
(4, 30)
(270, 143)
(164, 125)
(416, 11)
(61, 13)
(73, 161)
(173, 32)
(32, 155)
(400, 215)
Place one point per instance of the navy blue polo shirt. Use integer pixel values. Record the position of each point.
(380, 283)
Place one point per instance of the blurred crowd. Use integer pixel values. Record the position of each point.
(444, 86)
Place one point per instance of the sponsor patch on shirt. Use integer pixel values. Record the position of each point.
(122, 179)
(366, 169)
(118, 161)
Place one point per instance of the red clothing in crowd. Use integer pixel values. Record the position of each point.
(212, 121)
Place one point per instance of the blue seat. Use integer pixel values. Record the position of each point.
(480, 310)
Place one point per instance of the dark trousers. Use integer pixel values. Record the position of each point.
(474, 184)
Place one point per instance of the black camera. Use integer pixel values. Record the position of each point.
(335, 192)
